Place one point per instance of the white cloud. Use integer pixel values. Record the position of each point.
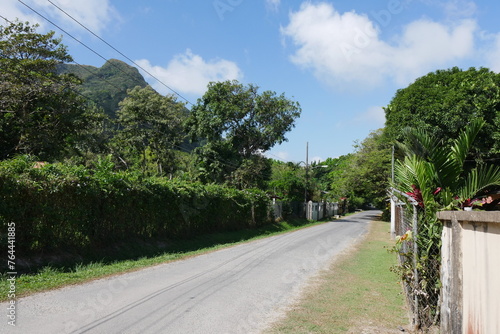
(12, 9)
(94, 14)
(374, 116)
(189, 73)
(346, 50)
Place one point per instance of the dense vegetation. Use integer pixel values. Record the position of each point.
(446, 127)
(75, 177)
(85, 149)
(41, 113)
(444, 102)
(57, 207)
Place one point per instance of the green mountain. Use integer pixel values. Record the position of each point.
(106, 85)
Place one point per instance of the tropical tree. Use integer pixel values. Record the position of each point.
(254, 172)
(363, 176)
(435, 176)
(39, 109)
(337, 176)
(444, 102)
(94, 130)
(435, 173)
(150, 128)
(287, 181)
(236, 124)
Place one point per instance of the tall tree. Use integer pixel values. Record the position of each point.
(287, 181)
(151, 127)
(364, 176)
(238, 123)
(39, 109)
(444, 102)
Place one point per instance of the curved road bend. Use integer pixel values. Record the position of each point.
(234, 290)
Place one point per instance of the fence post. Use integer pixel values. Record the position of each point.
(415, 269)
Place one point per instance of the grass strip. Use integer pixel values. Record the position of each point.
(139, 256)
(357, 294)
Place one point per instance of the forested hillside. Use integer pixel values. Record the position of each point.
(106, 85)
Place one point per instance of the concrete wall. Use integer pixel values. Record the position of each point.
(470, 272)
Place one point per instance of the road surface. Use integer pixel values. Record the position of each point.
(240, 289)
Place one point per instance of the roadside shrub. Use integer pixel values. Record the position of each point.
(61, 207)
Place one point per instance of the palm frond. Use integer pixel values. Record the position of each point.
(462, 145)
(479, 179)
(406, 172)
(418, 142)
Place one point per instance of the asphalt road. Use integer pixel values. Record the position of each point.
(240, 289)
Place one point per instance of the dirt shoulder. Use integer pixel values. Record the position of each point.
(357, 294)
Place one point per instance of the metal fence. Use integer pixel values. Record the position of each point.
(418, 248)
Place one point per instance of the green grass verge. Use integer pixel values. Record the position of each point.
(357, 294)
(137, 255)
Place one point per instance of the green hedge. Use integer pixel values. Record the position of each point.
(60, 207)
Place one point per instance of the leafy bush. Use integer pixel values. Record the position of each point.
(60, 207)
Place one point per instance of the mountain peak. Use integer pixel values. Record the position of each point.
(106, 85)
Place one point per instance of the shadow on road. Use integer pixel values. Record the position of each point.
(135, 249)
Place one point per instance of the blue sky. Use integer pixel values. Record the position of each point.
(341, 60)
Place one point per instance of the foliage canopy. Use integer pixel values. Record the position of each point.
(237, 124)
(39, 109)
(444, 102)
(150, 122)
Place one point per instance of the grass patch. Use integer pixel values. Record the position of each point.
(134, 256)
(357, 294)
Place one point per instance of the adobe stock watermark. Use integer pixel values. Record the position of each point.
(11, 274)
(223, 6)
(382, 19)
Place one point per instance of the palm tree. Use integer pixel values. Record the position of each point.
(435, 174)
(436, 177)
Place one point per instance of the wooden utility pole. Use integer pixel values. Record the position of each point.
(307, 172)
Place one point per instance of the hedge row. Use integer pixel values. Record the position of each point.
(56, 207)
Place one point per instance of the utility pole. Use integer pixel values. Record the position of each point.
(393, 203)
(307, 170)
(307, 174)
(306, 181)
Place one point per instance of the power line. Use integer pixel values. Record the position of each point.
(231, 165)
(121, 53)
(76, 39)
(81, 66)
(277, 158)
(228, 164)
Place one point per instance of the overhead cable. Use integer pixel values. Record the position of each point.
(121, 53)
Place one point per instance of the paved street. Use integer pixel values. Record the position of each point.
(234, 290)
